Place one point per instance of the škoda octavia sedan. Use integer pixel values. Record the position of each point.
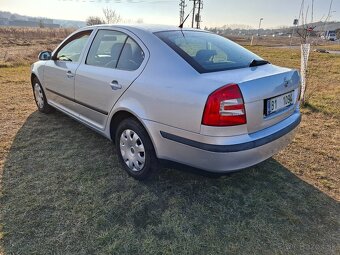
(159, 92)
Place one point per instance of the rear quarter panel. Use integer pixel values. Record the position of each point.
(169, 91)
(172, 93)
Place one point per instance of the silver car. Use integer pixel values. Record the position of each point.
(160, 92)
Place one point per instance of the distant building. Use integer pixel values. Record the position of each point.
(3, 22)
(47, 21)
(10, 19)
(31, 19)
(37, 23)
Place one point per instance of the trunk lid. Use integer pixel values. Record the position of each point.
(258, 84)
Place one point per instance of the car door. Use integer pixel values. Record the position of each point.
(113, 62)
(59, 73)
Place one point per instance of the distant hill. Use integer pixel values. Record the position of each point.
(322, 26)
(14, 19)
(240, 30)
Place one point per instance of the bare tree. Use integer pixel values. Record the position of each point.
(94, 20)
(111, 16)
(41, 23)
(304, 31)
(337, 33)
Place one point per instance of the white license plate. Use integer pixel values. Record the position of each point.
(280, 102)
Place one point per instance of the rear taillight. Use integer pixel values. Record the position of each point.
(225, 107)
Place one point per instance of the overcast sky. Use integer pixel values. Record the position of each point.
(215, 13)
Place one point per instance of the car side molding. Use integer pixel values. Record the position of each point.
(234, 147)
(78, 102)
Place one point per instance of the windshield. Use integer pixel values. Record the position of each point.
(207, 52)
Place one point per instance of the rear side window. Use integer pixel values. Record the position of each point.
(131, 57)
(114, 49)
(207, 52)
(106, 48)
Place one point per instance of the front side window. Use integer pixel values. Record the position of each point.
(71, 51)
(207, 52)
(106, 48)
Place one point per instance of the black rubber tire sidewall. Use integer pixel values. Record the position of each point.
(47, 108)
(150, 158)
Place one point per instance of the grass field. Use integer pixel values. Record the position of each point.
(63, 191)
(18, 46)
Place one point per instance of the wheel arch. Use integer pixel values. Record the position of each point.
(119, 116)
(33, 76)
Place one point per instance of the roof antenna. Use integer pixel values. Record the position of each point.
(181, 25)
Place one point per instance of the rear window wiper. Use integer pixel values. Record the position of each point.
(258, 63)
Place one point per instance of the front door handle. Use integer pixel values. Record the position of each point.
(115, 85)
(69, 74)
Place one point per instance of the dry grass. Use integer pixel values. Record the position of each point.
(20, 46)
(335, 46)
(315, 152)
(34, 33)
(270, 41)
(63, 191)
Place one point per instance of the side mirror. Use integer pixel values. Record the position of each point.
(45, 55)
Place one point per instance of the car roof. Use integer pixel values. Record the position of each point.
(152, 28)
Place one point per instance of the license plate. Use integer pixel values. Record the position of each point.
(280, 102)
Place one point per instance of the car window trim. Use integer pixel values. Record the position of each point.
(120, 53)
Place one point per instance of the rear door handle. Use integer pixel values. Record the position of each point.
(69, 74)
(115, 85)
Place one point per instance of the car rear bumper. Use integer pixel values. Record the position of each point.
(223, 154)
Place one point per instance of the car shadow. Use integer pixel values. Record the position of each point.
(65, 193)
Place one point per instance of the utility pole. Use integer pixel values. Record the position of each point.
(312, 19)
(258, 32)
(182, 5)
(198, 16)
(193, 13)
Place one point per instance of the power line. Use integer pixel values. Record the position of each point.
(329, 11)
(312, 19)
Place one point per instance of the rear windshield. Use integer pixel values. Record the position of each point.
(207, 52)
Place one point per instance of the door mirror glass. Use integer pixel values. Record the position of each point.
(45, 55)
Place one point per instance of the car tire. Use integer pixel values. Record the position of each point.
(135, 150)
(40, 97)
